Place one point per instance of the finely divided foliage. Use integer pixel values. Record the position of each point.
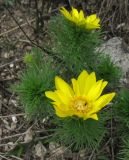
(37, 78)
(80, 134)
(74, 45)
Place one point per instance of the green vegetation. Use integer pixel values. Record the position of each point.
(38, 77)
(76, 49)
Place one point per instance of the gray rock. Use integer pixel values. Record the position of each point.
(118, 54)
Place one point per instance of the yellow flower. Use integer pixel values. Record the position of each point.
(82, 99)
(90, 22)
(74, 16)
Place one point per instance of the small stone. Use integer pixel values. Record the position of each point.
(20, 20)
(17, 67)
(11, 65)
(6, 55)
(40, 150)
(14, 119)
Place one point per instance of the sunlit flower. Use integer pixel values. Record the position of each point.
(74, 16)
(90, 22)
(83, 99)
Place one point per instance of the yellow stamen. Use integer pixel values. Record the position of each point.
(80, 104)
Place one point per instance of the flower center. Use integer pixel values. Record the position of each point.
(80, 104)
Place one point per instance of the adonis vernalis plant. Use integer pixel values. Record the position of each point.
(78, 121)
(82, 99)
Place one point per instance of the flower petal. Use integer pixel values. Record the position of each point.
(62, 113)
(91, 18)
(104, 84)
(103, 101)
(63, 86)
(74, 13)
(63, 98)
(94, 116)
(96, 90)
(81, 80)
(81, 16)
(75, 87)
(92, 22)
(65, 13)
(52, 95)
(89, 82)
(58, 97)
